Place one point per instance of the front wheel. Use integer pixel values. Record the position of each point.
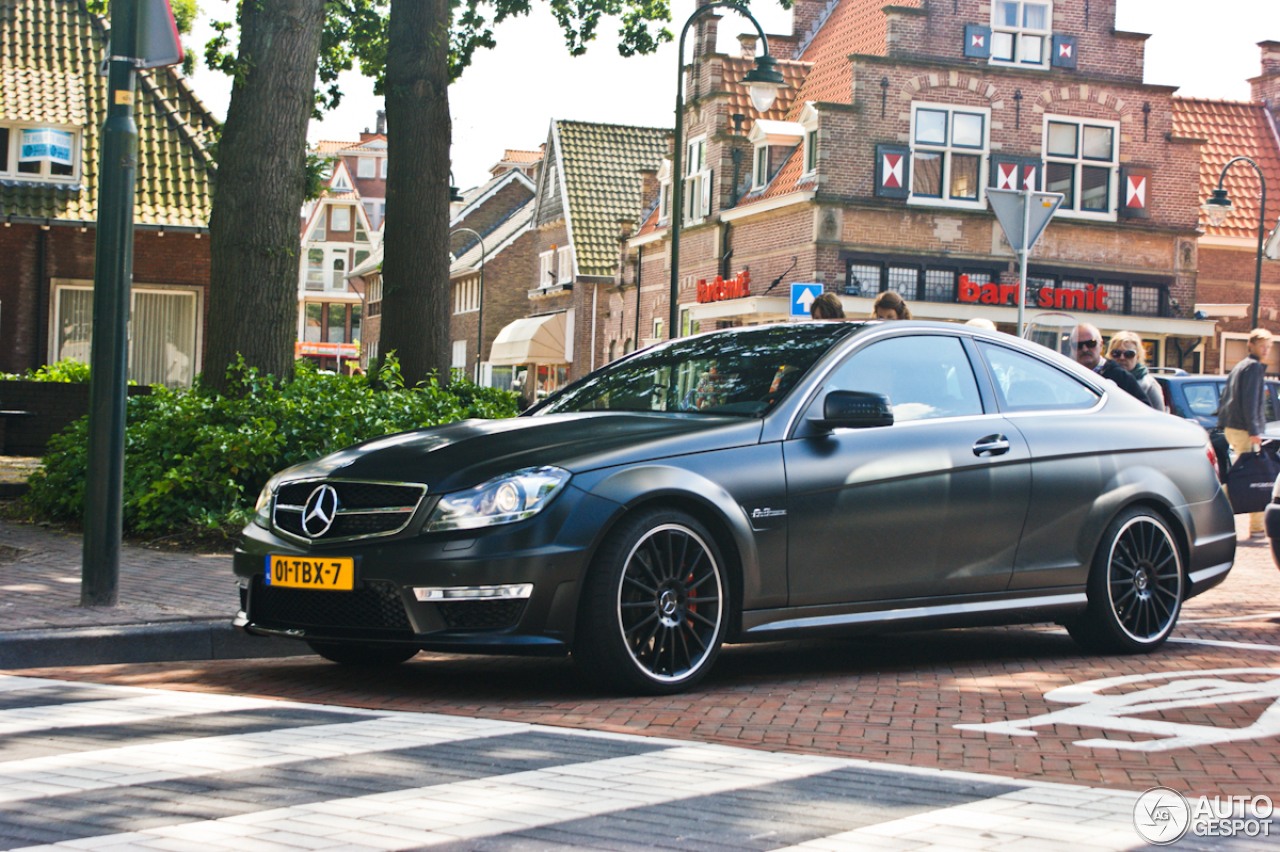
(655, 605)
(1136, 586)
(389, 654)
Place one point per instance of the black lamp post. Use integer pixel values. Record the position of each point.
(764, 81)
(1218, 208)
(480, 317)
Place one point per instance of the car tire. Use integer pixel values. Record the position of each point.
(389, 654)
(654, 606)
(1136, 586)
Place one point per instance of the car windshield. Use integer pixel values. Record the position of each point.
(741, 372)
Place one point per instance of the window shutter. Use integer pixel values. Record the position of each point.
(1012, 172)
(977, 41)
(1064, 52)
(1135, 192)
(893, 171)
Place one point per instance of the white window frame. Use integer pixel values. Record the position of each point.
(947, 151)
(809, 147)
(55, 319)
(337, 281)
(760, 166)
(334, 212)
(310, 269)
(11, 172)
(1079, 161)
(697, 181)
(545, 278)
(366, 167)
(664, 193)
(564, 264)
(1016, 34)
(466, 296)
(385, 160)
(657, 328)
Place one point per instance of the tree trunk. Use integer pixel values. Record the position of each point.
(254, 227)
(415, 265)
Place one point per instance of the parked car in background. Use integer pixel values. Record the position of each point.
(751, 485)
(1196, 397)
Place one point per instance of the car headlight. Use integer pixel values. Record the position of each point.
(262, 509)
(502, 500)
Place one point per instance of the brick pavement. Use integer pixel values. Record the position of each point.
(890, 698)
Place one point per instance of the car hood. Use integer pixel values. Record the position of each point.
(463, 454)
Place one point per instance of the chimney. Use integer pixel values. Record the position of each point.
(648, 186)
(1266, 88)
(748, 42)
(382, 122)
(805, 15)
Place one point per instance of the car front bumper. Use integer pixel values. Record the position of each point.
(549, 552)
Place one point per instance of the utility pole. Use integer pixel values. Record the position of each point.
(112, 280)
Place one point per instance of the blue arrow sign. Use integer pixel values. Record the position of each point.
(802, 296)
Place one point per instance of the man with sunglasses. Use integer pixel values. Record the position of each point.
(1240, 409)
(1086, 340)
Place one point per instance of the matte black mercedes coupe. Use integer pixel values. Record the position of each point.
(750, 485)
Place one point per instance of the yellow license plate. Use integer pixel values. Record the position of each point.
(293, 572)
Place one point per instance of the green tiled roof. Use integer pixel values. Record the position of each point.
(601, 165)
(50, 51)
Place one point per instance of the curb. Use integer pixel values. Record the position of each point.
(139, 643)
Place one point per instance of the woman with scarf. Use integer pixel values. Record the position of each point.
(1126, 350)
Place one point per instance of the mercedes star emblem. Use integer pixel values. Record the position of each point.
(320, 510)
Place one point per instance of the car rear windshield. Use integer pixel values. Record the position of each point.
(743, 372)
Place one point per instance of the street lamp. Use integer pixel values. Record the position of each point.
(763, 82)
(1219, 207)
(480, 317)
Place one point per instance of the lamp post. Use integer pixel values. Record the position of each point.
(763, 81)
(480, 317)
(1219, 207)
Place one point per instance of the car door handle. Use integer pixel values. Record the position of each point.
(992, 445)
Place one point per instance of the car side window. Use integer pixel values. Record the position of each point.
(1273, 404)
(1202, 398)
(1024, 383)
(924, 376)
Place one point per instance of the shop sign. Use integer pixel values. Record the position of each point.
(331, 350)
(1091, 298)
(45, 144)
(719, 290)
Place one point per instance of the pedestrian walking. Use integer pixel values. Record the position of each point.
(1240, 410)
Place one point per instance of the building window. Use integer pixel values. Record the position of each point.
(361, 257)
(340, 181)
(657, 329)
(760, 176)
(339, 273)
(374, 297)
(866, 277)
(466, 296)
(1081, 161)
(1020, 32)
(361, 235)
(939, 285)
(948, 154)
(317, 233)
(385, 160)
(688, 325)
(697, 181)
(39, 153)
(564, 265)
(336, 327)
(315, 269)
(356, 311)
(340, 218)
(366, 167)
(904, 280)
(811, 152)
(163, 346)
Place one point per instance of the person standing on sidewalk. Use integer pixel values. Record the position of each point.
(1086, 341)
(1240, 412)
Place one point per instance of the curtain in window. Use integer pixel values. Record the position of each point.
(162, 338)
(75, 324)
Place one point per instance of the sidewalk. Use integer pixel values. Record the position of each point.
(173, 606)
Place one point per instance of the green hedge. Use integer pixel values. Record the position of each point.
(195, 461)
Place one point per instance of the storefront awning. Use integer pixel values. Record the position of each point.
(532, 340)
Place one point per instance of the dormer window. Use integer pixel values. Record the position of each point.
(809, 122)
(1020, 32)
(664, 193)
(564, 265)
(340, 219)
(341, 179)
(774, 141)
(39, 153)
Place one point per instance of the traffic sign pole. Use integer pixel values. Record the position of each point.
(1022, 258)
(1023, 214)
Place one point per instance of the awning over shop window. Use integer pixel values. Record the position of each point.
(532, 340)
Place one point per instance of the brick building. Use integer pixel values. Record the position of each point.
(52, 104)
(1228, 253)
(871, 173)
(591, 180)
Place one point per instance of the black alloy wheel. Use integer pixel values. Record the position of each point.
(1136, 587)
(353, 654)
(654, 609)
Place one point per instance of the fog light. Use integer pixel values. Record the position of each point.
(444, 593)
(243, 582)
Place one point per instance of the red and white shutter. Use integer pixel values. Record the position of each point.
(1135, 192)
(893, 171)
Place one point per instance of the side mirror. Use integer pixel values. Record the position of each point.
(854, 410)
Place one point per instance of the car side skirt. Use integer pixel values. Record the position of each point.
(774, 624)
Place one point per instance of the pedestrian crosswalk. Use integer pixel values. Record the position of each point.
(87, 767)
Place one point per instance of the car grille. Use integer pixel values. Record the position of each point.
(480, 615)
(375, 607)
(364, 509)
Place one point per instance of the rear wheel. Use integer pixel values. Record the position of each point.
(1136, 586)
(345, 654)
(655, 605)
